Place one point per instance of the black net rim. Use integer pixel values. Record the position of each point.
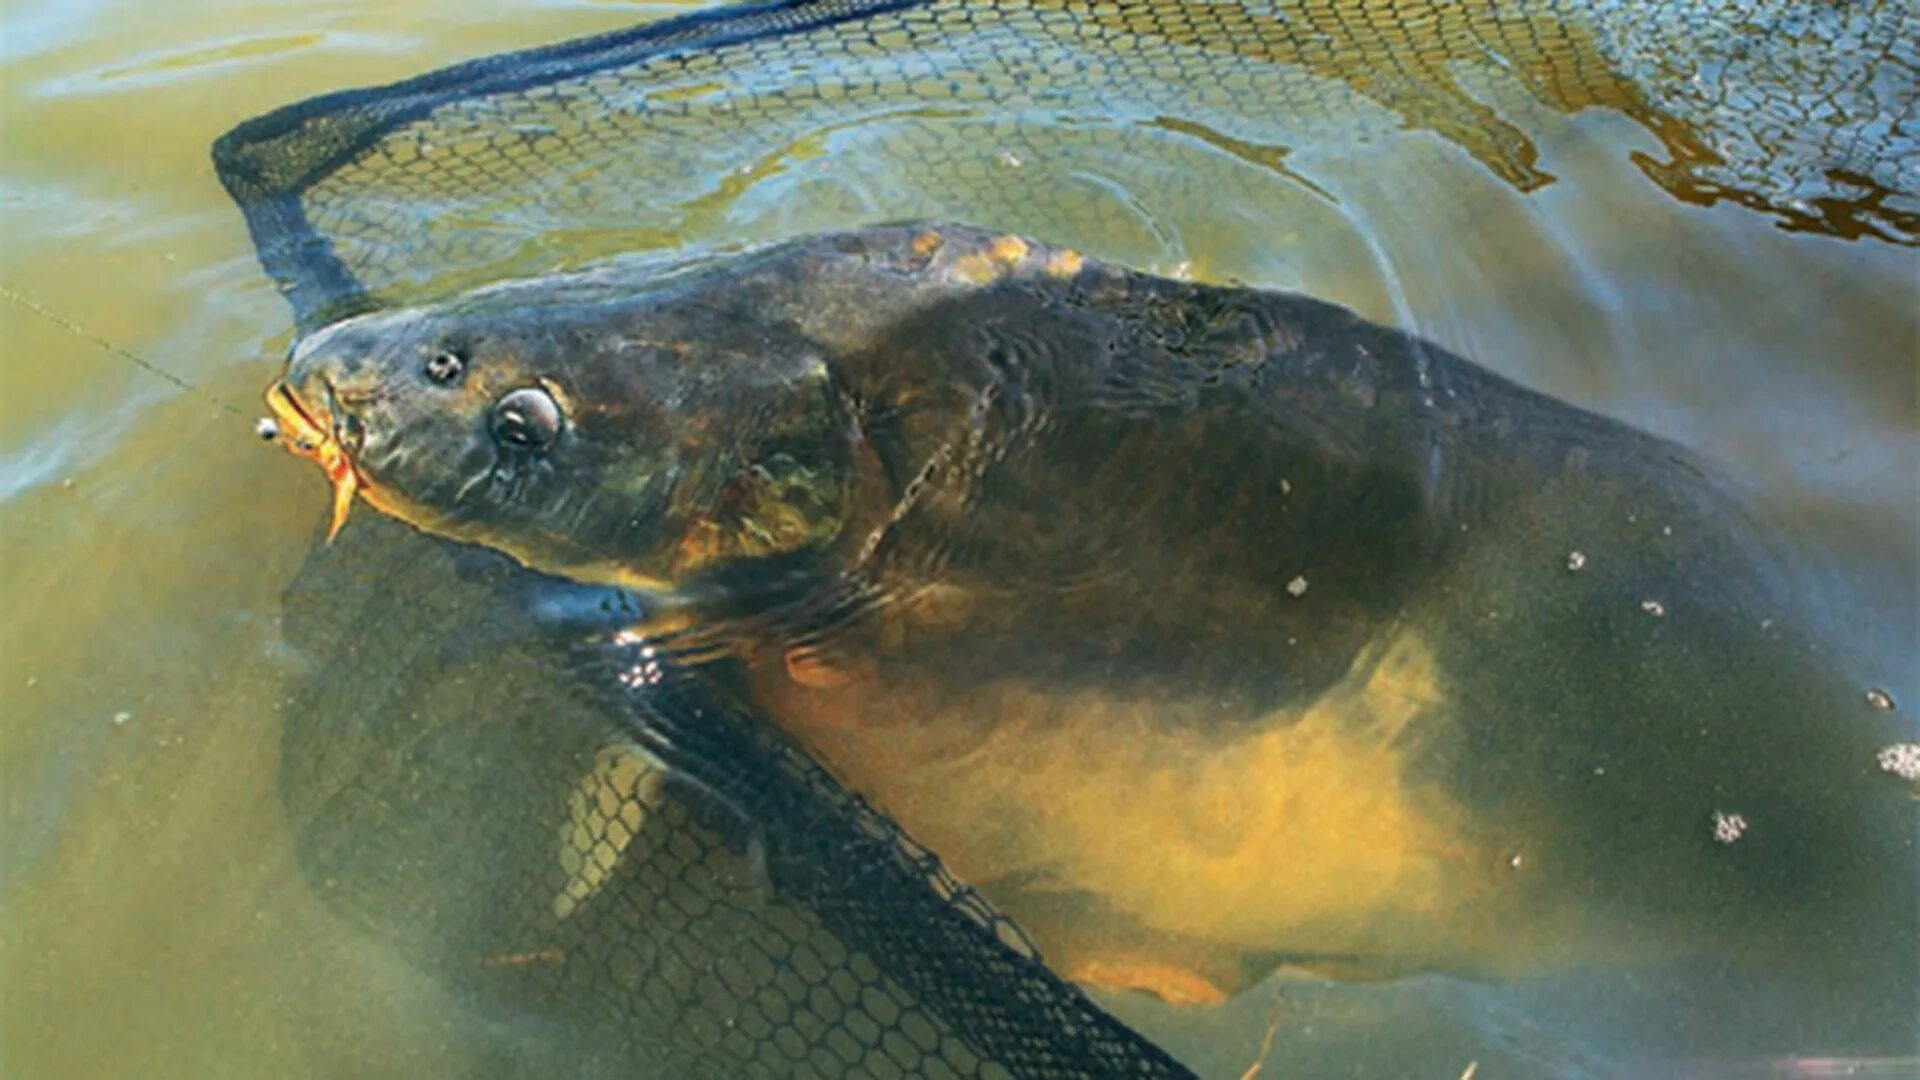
(300, 259)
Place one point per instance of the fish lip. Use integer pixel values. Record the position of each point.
(283, 399)
(349, 428)
(340, 410)
(334, 424)
(319, 443)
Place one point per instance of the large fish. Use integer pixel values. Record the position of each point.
(1203, 629)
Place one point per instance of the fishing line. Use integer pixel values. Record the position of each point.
(265, 428)
(112, 349)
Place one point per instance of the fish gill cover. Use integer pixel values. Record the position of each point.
(465, 778)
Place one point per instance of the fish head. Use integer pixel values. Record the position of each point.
(627, 442)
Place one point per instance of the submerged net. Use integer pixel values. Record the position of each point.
(510, 811)
(710, 124)
(504, 803)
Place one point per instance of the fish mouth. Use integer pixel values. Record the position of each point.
(313, 433)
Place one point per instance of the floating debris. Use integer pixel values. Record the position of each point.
(1901, 759)
(1576, 561)
(1010, 159)
(1728, 827)
(1880, 699)
(1297, 588)
(266, 429)
(120, 718)
(1654, 608)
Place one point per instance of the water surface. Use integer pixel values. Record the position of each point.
(151, 918)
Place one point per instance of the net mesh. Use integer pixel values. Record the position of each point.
(593, 850)
(645, 138)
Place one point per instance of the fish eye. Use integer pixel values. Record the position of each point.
(526, 419)
(445, 366)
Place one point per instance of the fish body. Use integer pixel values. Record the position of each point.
(1204, 629)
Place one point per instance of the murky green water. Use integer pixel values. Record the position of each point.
(151, 919)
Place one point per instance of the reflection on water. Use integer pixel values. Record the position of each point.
(1023, 113)
(153, 920)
